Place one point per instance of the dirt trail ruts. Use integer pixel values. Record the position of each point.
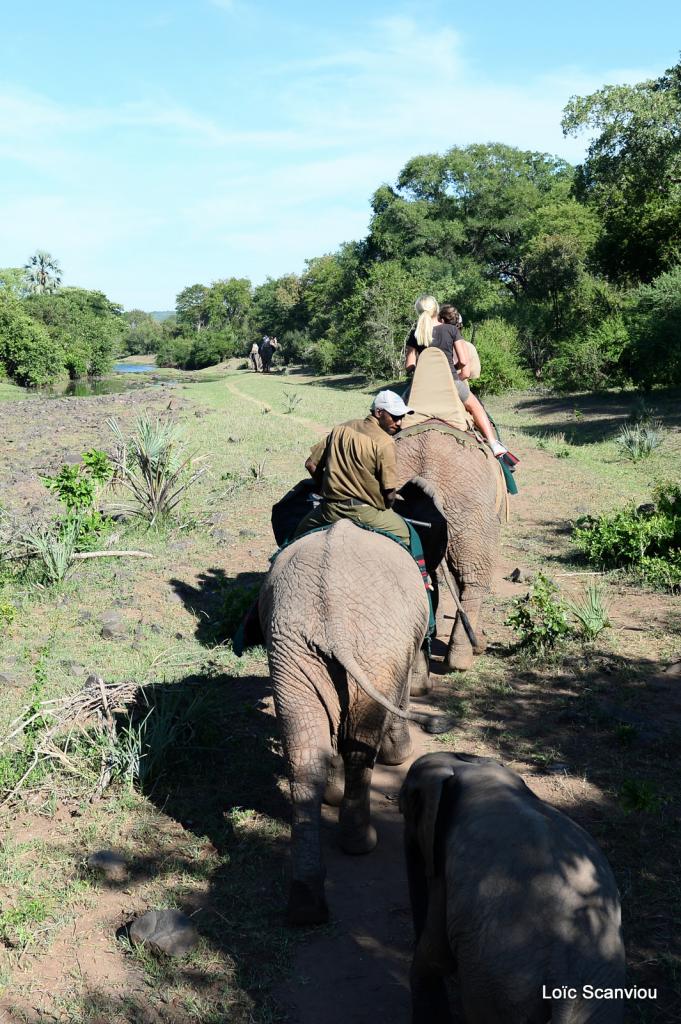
(317, 427)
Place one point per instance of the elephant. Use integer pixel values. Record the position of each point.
(510, 898)
(344, 613)
(466, 481)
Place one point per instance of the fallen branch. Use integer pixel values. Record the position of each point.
(112, 554)
(580, 574)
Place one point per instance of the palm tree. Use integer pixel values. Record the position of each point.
(43, 273)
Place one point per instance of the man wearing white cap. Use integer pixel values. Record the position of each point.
(356, 468)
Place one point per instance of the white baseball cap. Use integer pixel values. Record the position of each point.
(392, 403)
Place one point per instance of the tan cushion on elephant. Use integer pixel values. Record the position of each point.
(433, 393)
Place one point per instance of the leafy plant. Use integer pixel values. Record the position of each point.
(292, 401)
(72, 486)
(645, 540)
(590, 612)
(639, 441)
(154, 467)
(639, 795)
(540, 617)
(54, 547)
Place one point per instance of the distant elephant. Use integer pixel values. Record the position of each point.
(344, 613)
(467, 482)
(509, 896)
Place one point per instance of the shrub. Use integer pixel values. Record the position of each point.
(540, 617)
(590, 612)
(640, 440)
(654, 323)
(29, 355)
(591, 361)
(499, 351)
(154, 467)
(646, 540)
(322, 355)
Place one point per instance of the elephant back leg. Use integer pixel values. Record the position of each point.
(307, 745)
(359, 748)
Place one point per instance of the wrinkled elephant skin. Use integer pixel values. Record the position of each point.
(337, 606)
(465, 481)
(510, 898)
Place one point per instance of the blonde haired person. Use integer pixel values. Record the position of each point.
(433, 330)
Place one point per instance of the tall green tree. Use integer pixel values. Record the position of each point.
(86, 325)
(43, 273)
(632, 173)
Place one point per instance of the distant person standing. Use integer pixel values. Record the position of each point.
(254, 358)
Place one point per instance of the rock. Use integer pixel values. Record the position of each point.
(6, 679)
(84, 617)
(109, 864)
(221, 536)
(233, 439)
(176, 598)
(520, 576)
(75, 669)
(113, 626)
(247, 533)
(647, 509)
(167, 931)
(672, 671)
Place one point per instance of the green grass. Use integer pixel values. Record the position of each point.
(10, 392)
(208, 832)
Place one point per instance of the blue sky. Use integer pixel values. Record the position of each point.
(154, 144)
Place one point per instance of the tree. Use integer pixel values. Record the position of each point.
(144, 332)
(13, 281)
(632, 173)
(43, 273)
(85, 324)
(190, 308)
(28, 354)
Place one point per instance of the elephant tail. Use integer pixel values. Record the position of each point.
(433, 724)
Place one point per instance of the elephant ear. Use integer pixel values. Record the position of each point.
(420, 801)
(418, 500)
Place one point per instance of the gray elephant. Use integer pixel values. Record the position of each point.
(509, 896)
(344, 613)
(466, 480)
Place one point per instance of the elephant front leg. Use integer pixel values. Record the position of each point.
(307, 903)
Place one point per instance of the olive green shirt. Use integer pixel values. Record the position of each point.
(357, 460)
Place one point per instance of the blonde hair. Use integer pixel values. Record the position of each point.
(427, 307)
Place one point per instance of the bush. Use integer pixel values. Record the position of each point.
(591, 361)
(85, 324)
(322, 355)
(29, 355)
(639, 441)
(499, 351)
(654, 321)
(540, 617)
(154, 467)
(646, 541)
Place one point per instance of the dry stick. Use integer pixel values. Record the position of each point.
(581, 574)
(112, 554)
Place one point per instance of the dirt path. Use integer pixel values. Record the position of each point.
(312, 424)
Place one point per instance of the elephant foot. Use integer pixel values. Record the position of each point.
(395, 747)
(459, 661)
(333, 795)
(306, 905)
(481, 645)
(357, 841)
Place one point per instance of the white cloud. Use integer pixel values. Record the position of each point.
(155, 193)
